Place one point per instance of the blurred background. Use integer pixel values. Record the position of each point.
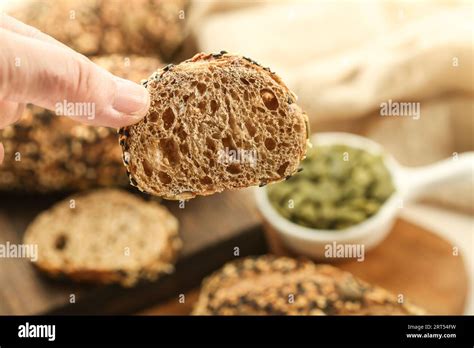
(343, 59)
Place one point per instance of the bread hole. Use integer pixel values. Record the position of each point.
(182, 135)
(224, 80)
(168, 118)
(234, 168)
(281, 170)
(270, 144)
(208, 154)
(61, 242)
(297, 127)
(202, 106)
(206, 180)
(250, 128)
(228, 143)
(201, 87)
(216, 85)
(153, 116)
(234, 95)
(244, 81)
(184, 149)
(186, 97)
(246, 96)
(164, 178)
(170, 150)
(151, 129)
(269, 99)
(262, 110)
(214, 106)
(251, 80)
(210, 144)
(147, 168)
(211, 68)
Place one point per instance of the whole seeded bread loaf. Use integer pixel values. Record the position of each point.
(216, 121)
(45, 152)
(105, 236)
(98, 27)
(270, 285)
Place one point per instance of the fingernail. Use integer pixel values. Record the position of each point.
(131, 98)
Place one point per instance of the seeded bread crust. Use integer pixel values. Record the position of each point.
(47, 153)
(109, 236)
(270, 285)
(100, 27)
(206, 115)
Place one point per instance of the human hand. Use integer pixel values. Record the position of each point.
(37, 69)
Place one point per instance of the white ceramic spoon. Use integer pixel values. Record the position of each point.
(410, 183)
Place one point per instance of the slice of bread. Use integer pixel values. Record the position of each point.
(270, 285)
(216, 121)
(105, 236)
(45, 152)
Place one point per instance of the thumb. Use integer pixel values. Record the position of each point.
(61, 80)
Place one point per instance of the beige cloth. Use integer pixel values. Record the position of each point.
(344, 59)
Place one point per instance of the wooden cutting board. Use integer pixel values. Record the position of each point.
(410, 261)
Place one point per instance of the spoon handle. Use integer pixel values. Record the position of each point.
(414, 181)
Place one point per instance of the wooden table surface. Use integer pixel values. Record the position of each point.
(411, 261)
(210, 227)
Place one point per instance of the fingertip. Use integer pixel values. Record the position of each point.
(131, 99)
